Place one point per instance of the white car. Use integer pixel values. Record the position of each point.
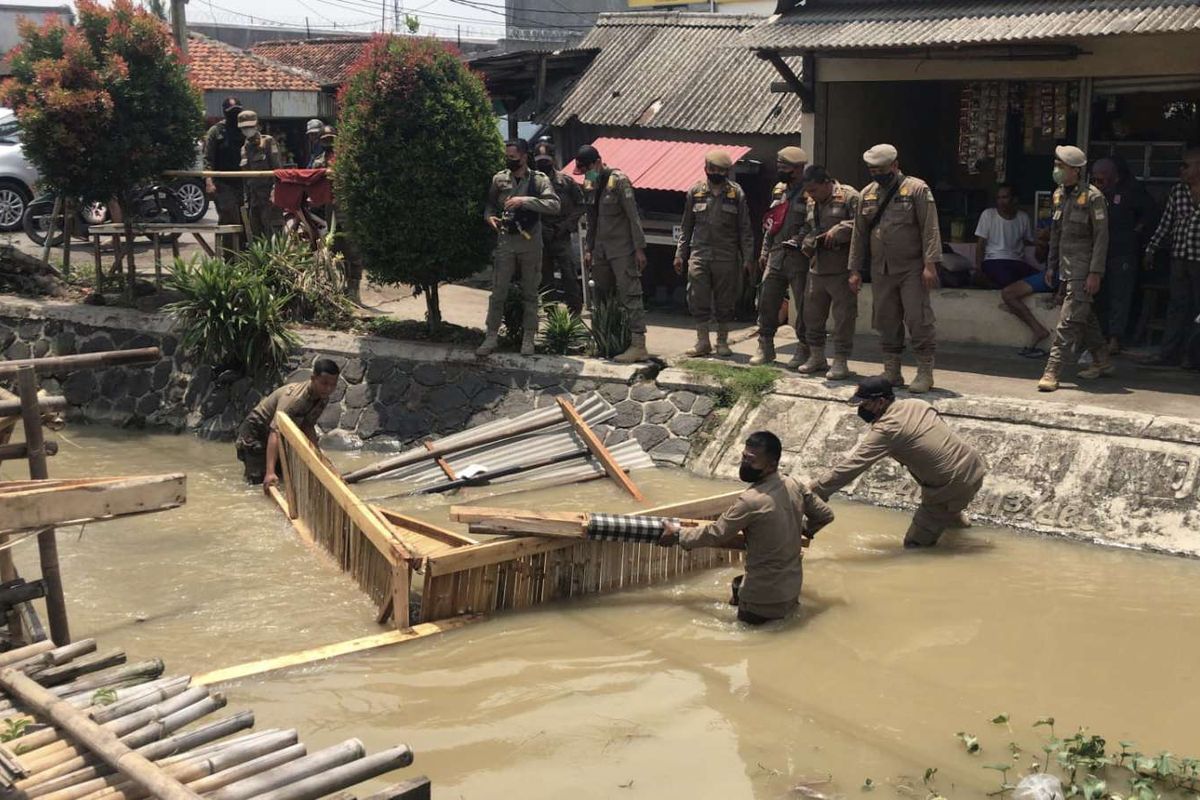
(17, 176)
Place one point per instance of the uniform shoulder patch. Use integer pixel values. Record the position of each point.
(1082, 199)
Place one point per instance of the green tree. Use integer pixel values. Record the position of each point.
(417, 148)
(106, 105)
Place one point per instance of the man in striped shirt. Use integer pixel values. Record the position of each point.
(1180, 224)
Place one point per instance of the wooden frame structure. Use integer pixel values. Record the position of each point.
(391, 555)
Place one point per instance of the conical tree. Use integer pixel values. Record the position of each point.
(417, 147)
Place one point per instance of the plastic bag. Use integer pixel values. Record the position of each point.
(1038, 787)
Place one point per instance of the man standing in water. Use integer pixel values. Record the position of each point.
(303, 401)
(775, 513)
(949, 471)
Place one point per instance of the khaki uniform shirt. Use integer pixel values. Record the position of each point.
(835, 215)
(907, 235)
(614, 227)
(570, 208)
(1078, 232)
(716, 224)
(262, 154)
(540, 198)
(793, 227)
(773, 514)
(913, 433)
(293, 399)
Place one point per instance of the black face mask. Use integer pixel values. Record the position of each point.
(785, 175)
(885, 180)
(715, 177)
(749, 474)
(514, 164)
(867, 416)
(231, 117)
(544, 167)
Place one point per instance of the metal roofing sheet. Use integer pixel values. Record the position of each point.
(658, 163)
(677, 71)
(859, 24)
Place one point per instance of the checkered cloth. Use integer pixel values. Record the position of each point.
(626, 527)
(1181, 223)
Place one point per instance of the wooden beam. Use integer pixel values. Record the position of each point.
(482, 555)
(21, 450)
(709, 507)
(441, 462)
(598, 449)
(44, 506)
(803, 90)
(109, 358)
(12, 408)
(326, 652)
(443, 535)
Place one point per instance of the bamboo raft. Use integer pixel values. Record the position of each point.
(78, 726)
(396, 559)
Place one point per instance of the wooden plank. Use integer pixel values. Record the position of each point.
(208, 250)
(108, 358)
(441, 462)
(355, 507)
(401, 583)
(326, 652)
(145, 228)
(100, 499)
(490, 553)
(486, 513)
(598, 449)
(443, 535)
(712, 506)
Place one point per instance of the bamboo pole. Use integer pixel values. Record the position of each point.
(108, 358)
(12, 408)
(22, 653)
(101, 742)
(10, 452)
(249, 769)
(56, 604)
(339, 778)
(58, 204)
(322, 761)
(73, 670)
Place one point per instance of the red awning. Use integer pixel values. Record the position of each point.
(658, 164)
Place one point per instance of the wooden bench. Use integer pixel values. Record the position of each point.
(155, 231)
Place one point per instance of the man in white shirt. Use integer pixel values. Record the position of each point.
(1003, 233)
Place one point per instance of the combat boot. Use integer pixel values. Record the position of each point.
(703, 346)
(765, 353)
(891, 370)
(527, 344)
(924, 380)
(1101, 366)
(490, 343)
(816, 362)
(840, 370)
(636, 352)
(723, 350)
(801, 356)
(1049, 381)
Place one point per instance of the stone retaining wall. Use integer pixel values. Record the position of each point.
(390, 394)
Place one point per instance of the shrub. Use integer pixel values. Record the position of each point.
(417, 148)
(563, 331)
(610, 328)
(229, 317)
(313, 279)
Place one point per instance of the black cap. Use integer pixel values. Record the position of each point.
(586, 156)
(230, 103)
(815, 173)
(872, 389)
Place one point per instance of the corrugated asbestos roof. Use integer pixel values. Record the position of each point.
(861, 24)
(215, 66)
(330, 59)
(655, 163)
(677, 71)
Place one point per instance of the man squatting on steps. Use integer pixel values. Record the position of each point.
(775, 514)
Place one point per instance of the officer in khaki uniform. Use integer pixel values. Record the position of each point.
(832, 207)
(516, 201)
(558, 256)
(785, 266)
(1078, 250)
(949, 471)
(260, 152)
(775, 514)
(615, 249)
(223, 153)
(716, 241)
(897, 222)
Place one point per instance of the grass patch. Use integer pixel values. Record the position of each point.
(737, 383)
(414, 330)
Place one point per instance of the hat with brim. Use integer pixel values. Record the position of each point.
(586, 156)
(873, 388)
(248, 119)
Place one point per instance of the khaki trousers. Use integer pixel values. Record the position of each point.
(901, 301)
(939, 510)
(782, 274)
(712, 289)
(523, 259)
(619, 273)
(825, 292)
(1078, 326)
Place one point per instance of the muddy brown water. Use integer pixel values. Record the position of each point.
(655, 692)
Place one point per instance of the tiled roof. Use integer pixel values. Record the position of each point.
(678, 71)
(655, 163)
(329, 59)
(215, 66)
(874, 24)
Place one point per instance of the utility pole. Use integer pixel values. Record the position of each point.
(179, 25)
(395, 16)
(383, 16)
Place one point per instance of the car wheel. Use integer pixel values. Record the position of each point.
(192, 201)
(13, 199)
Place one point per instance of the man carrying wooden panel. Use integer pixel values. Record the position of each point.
(303, 401)
(775, 514)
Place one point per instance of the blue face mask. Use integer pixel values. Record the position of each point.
(591, 175)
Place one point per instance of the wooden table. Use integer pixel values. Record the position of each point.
(156, 230)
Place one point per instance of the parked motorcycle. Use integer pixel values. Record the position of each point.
(157, 203)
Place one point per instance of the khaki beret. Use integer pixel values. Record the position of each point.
(881, 155)
(792, 155)
(1070, 155)
(718, 158)
(247, 119)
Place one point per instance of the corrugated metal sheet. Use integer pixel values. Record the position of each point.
(656, 163)
(859, 24)
(686, 64)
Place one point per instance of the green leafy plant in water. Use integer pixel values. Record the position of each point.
(563, 332)
(609, 328)
(104, 697)
(13, 728)
(736, 383)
